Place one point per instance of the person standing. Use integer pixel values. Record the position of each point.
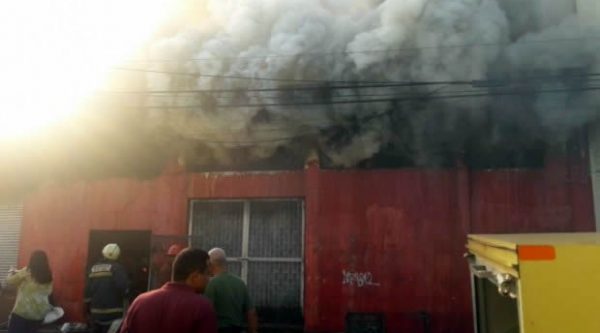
(230, 297)
(165, 271)
(177, 306)
(34, 286)
(106, 289)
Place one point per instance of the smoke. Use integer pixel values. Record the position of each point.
(510, 47)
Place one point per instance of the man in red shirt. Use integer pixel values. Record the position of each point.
(177, 307)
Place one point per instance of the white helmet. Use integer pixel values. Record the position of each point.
(111, 251)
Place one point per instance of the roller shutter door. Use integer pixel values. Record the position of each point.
(10, 232)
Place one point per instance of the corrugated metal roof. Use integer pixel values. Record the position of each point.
(10, 232)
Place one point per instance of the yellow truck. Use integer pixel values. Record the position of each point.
(535, 283)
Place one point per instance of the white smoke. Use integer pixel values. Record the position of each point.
(349, 41)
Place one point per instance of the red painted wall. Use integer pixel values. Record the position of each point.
(402, 228)
(556, 199)
(59, 218)
(246, 185)
(406, 228)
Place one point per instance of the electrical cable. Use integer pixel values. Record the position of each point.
(375, 100)
(391, 50)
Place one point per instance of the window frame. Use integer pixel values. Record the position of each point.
(245, 259)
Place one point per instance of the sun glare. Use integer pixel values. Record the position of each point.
(56, 53)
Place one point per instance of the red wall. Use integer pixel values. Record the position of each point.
(403, 228)
(557, 199)
(58, 218)
(406, 228)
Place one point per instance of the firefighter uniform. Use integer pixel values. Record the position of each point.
(106, 288)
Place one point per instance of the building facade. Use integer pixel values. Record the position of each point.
(314, 244)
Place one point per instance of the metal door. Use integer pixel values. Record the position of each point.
(10, 234)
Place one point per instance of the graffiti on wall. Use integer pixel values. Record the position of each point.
(358, 279)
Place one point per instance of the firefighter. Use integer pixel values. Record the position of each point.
(164, 274)
(106, 289)
(174, 250)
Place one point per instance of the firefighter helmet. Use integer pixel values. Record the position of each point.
(174, 250)
(111, 251)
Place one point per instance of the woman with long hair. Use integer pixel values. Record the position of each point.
(34, 286)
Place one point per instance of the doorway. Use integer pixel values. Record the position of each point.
(495, 313)
(135, 254)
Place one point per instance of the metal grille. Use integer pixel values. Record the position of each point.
(10, 232)
(275, 229)
(263, 239)
(275, 284)
(235, 267)
(218, 224)
(160, 263)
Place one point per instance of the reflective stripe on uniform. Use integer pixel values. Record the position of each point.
(101, 268)
(100, 274)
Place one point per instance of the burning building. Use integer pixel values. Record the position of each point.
(429, 119)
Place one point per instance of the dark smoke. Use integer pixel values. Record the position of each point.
(516, 50)
(532, 65)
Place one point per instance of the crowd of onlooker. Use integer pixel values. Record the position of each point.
(201, 296)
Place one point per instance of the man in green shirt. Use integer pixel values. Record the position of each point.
(229, 295)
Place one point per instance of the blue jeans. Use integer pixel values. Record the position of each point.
(18, 324)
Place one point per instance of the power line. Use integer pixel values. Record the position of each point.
(247, 143)
(281, 89)
(480, 83)
(407, 49)
(362, 119)
(349, 85)
(236, 77)
(377, 100)
(354, 82)
(336, 96)
(258, 141)
(424, 95)
(288, 88)
(250, 78)
(467, 94)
